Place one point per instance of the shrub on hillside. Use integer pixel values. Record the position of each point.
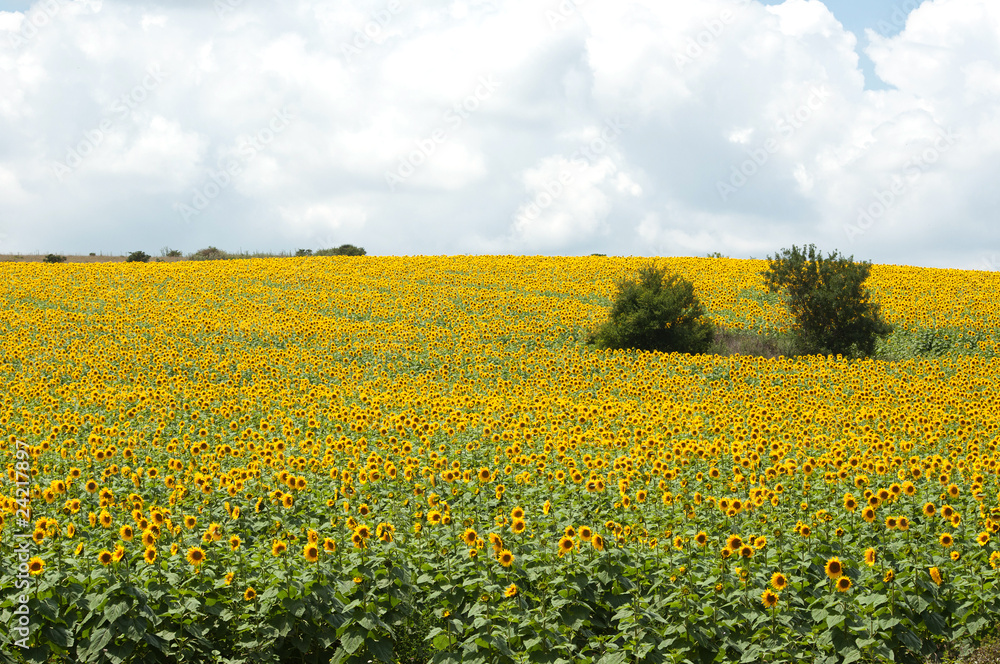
(54, 258)
(342, 250)
(656, 311)
(826, 295)
(167, 252)
(303, 252)
(138, 257)
(208, 254)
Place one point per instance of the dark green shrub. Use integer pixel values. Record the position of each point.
(167, 252)
(832, 308)
(656, 311)
(93, 253)
(303, 252)
(342, 250)
(209, 254)
(716, 254)
(54, 258)
(137, 257)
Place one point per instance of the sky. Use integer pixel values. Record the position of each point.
(553, 127)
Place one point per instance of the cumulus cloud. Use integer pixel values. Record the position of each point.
(483, 126)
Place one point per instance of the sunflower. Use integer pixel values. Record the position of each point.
(850, 502)
(779, 581)
(249, 594)
(929, 509)
(843, 584)
(484, 475)
(834, 569)
(805, 531)
(565, 545)
(734, 542)
(278, 547)
(868, 514)
(148, 538)
(469, 536)
(870, 556)
(105, 519)
(946, 540)
(746, 551)
(118, 553)
(149, 555)
(234, 542)
(311, 552)
(569, 531)
(890, 522)
(598, 542)
(71, 531)
(36, 565)
(105, 557)
(935, 575)
(363, 531)
(510, 591)
(902, 523)
(434, 516)
(586, 534)
(701, 538)
(518, 526)
(995, 560)
(546, 507)
(769, 598)
(505, 558)
(229, 577)
(190, 522)
(195, 555)
(517, 513)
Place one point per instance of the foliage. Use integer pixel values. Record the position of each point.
(137, 257)
(656, 311)
(833, 310)
(303, 252)
(715, 254)
(167, 252)
(54, 258)
(342, 250)
(209, 254)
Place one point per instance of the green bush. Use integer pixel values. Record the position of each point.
(656, 311)
(137, 257)
(832, 308)
(342, 250)
(303, 252)
(209, 254)
(167, 252)
(54, 258)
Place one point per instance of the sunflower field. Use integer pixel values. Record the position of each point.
(417, 459)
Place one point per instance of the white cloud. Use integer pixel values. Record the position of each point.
(705, 92)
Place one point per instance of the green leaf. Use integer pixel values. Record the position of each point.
(909, 639)
(352, 640)
(616, 657)
(935, 623)
(381, 649)
(850, 655)
(98, 639)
